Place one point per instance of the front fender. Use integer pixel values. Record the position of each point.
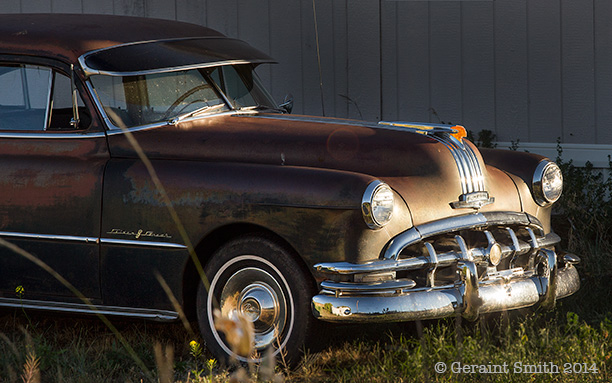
(316, 211)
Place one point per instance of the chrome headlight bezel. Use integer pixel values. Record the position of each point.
(547, 183)
(377, 204)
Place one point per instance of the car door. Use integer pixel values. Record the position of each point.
(50, 185)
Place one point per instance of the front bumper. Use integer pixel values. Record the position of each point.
(546, 276)
(467, 299)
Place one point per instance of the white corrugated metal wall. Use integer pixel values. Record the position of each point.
(529, 70)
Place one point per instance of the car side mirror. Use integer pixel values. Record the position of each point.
(287, 104)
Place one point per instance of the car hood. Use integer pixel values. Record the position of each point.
(421, 168)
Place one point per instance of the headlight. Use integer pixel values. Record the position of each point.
(547, 183)
(377, 204)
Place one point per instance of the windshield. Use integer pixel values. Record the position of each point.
(162, 97)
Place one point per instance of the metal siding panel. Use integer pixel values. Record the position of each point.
(10, 6)
(325, 22)
(311, 93)
(222, 15)
(389, 61)
(364, 58)
(603, 70)
(413, 61)
(98, 7)
(545, 116)
(511, 82)
(445, 61)
(577, 69)
(129, 7)
(161, 9)
(285, 47)
(478, 61)
(191, 11)
(35, 6)
(254, 27)
(66, 6)
(340, 68)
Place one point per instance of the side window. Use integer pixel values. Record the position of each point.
(24, 97)
(35, 98)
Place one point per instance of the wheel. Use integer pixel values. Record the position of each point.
(260, 280)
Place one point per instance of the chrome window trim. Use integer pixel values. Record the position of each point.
(49, 107)
(81, 308)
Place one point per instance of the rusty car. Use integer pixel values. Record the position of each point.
(146, 172)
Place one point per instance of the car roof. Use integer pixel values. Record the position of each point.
(68, 36)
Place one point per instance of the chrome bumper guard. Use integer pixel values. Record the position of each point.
(398, 300)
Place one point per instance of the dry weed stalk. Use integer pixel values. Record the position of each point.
(31, 369)
(239, 333)
(164, 360)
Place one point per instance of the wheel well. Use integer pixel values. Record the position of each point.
(207, 247)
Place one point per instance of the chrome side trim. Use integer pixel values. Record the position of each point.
(80, 308)
(131, 242)
(70, 238)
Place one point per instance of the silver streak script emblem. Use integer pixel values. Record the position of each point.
(140, 233)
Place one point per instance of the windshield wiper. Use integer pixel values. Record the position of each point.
(262, 108)
(181, 117)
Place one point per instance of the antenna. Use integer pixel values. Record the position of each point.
(314, 12)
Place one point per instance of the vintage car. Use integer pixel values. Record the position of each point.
(142, 163)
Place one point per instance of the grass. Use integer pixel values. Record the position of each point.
(569, 344)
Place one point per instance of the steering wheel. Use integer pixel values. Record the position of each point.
(182, 98)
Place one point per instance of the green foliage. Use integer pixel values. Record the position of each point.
(585, 202)
(483, 139)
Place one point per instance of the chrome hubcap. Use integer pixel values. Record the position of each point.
(254, 294)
